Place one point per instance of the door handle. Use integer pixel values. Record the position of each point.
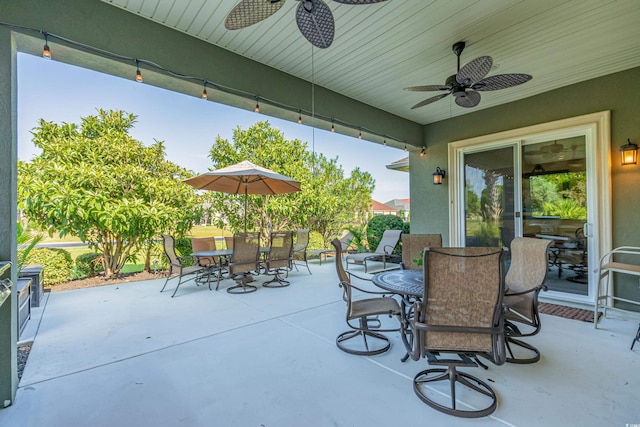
(587, 229)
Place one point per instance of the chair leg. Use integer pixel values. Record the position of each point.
(379, 345)
(521, 360)
(242, 286)
(455, 377)
(637, 338)
(277, 281)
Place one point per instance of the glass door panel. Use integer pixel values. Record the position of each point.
(489, 197)
(554, 201)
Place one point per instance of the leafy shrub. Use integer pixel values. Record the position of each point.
(57, 264)
(88, 265)
(184, 249)
(378, 225)
(315, 241)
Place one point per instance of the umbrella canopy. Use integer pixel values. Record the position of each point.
(245, 178)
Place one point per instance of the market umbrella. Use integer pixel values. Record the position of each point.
(245, 178)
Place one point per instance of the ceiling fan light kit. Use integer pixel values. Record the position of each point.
(469, 81)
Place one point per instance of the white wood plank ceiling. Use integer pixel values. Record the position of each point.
(381, 48)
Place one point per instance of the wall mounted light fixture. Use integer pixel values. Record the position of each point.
(629, 153)
(438, 175)
(423, 152)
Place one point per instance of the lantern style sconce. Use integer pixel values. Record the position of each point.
(438, 175)
(629, 153)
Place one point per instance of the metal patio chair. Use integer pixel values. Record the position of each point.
(300, 249)
(461, 314)
(390, 239)
(279, 259)
(525, 279)
(365, 312)
(177, 269)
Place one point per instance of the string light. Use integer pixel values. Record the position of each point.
(257, 108)
(405, 147)
(46, 52)
(299, 117)
(422, 152)
(138, 73)
(204, 91)
(385, 142)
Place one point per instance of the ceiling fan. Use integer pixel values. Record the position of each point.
(314, 18)
(469, 81)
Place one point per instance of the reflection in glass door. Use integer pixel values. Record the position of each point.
(489, 197)
(554, 202)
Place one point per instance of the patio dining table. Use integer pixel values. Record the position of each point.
(224, 253)
(409, 285)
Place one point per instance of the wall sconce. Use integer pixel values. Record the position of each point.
(438, 175)
(629, 153)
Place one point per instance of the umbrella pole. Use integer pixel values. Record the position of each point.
(245, 207)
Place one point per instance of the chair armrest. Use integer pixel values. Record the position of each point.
(389, 251)
(536, 289)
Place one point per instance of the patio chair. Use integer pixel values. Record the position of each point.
(461, 314)
(177, 269)
(413, 246)
(228, 240)
(300, 249)
(279, 258)
(573, 256)
(388, 242)
(214, 264)
(345, 241)
(244, 262)
(365, 312)
(525, 279)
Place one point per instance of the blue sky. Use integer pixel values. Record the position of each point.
(188, 125)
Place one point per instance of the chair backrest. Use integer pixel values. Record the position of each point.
(529, 263)
(280, 249)
(200, 244)
(228, 240)
(528, 270)
(390, 239)
(246, 252)
(345, 241)
(169, 245)
(413, 246)
(462, 301)
(345, 281)
(302, 241)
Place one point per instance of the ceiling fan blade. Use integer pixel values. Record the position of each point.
(470, 99)
(474, 71)
(429, 101)
(358, 1)
(315, 21)
(249, 12)
(428, 88)
(501, 81)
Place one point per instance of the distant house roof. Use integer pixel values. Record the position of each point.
(399, 204)
(401, 165)
(377, 206)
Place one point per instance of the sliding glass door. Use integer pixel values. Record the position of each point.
(541, 186)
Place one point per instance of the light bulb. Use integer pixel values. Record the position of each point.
(299, 118)
(333, 128)
(422, 152)
(204, 91)
(46, 52)
(138, 73)
(359, 135)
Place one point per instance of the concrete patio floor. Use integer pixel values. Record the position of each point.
(128, 355)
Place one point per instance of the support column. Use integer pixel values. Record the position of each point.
(8, 214)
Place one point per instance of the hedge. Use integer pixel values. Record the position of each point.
(57, 264)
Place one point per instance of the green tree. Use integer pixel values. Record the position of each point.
(326, 203)
(96, 182)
